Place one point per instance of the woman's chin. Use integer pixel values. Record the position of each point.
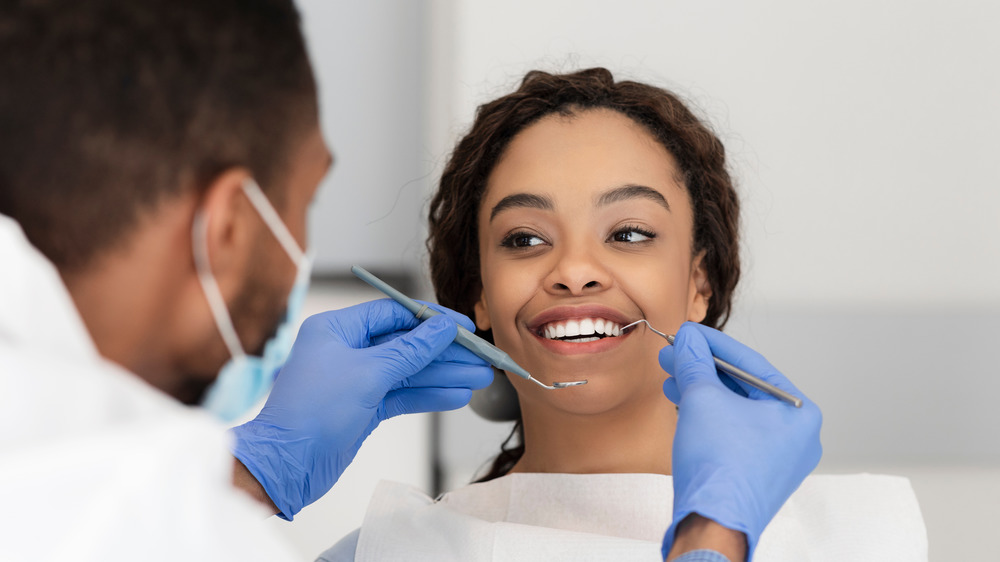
(603, 393)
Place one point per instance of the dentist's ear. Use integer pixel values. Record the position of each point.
(232, 227)
(699, 289)
(482, 312)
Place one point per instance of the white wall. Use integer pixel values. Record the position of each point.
(370, 62)
(864, 134)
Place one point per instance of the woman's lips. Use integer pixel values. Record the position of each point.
(563, 313)
(563, 347)
(579, 329)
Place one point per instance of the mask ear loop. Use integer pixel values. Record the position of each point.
(270, 216)
(223, 321)
(303, 260)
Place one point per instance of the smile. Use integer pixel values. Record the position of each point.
(582, 330)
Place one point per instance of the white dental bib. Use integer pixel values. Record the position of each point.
(581, 517)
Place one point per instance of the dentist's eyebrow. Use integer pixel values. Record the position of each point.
(522, 200)
(627, 192)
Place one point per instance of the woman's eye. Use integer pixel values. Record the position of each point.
(631, 234)
(521, 240)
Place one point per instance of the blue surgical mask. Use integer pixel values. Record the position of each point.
(246, 379)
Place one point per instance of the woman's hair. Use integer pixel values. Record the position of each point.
(453, 241)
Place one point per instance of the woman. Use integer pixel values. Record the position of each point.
(621, 223)
(575, 206)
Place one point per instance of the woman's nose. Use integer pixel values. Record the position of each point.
(578, 272)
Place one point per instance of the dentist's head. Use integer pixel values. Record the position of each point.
(123, 121)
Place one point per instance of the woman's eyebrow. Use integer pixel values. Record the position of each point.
(631, 192)
(529, 200)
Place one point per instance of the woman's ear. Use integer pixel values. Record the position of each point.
(699, 290)
(482, 313)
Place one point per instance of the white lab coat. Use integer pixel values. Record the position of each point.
(94, 463)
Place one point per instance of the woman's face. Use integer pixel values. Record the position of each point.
(584, 227)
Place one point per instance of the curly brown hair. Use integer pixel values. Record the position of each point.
(453, 241)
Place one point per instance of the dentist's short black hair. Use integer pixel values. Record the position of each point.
(109, 107)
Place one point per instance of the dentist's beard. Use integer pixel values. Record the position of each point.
(256, 312)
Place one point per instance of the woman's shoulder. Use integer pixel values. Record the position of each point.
(344, 550)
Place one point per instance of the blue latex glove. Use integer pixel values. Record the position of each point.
(348, 371)
(736, 459)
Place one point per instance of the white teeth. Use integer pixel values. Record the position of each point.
(595, 327)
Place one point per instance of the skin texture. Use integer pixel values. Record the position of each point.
(142, 302)
(575, 250)
(245, 480)
(697, 532)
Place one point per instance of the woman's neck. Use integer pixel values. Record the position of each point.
(634, 437)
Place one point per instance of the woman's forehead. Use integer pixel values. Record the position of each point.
(593, 155)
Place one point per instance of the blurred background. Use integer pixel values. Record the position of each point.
(864, 136)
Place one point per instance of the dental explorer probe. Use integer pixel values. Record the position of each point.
(732, 370)
(482, 348)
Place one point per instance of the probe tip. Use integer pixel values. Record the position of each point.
(568, 384)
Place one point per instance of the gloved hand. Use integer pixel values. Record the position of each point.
(348, 371)
(736, 459)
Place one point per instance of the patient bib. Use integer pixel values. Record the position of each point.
(590, 517)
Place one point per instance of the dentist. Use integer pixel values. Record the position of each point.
(157, 160)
